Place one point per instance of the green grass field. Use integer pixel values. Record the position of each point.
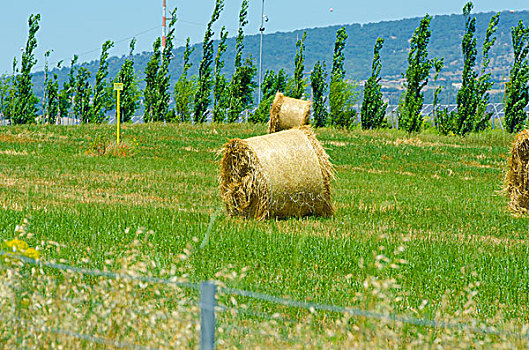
(438, 197)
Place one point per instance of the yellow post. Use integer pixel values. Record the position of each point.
(118, 87)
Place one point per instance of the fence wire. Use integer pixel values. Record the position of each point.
(370, 314)
(99, 273)
(312, 307)
(86, 337)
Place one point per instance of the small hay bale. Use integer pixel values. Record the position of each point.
(276, 175)
(287, 113)
(517, 177)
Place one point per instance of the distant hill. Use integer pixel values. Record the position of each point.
(279, 50)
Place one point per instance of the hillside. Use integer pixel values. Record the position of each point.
(279, 50)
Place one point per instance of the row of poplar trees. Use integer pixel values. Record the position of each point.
(76, 97)
(473, 96)
(195, 96)
(192, 95)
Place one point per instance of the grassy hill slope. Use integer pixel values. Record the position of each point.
(279, 51)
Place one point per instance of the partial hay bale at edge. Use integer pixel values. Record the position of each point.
(287, 113)
(517, 178)
(276, 175)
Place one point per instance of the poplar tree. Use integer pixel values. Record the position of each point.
(373, 109)
(130, 95)
(45, 85)
(417, 73)
(318, 79)
(220, 86)
(150, 91)
(9, 93)
(185, 88)
(6, 96)
(25, 109)
(298, 81)
(516, 89)
(342, 94)
(102, 98)
(202, 96)
(52, 97)
(272, 83)
(82, 92)
(242, 84)
(442, 120)
(473, 96)
(68, 89)
(163, 97)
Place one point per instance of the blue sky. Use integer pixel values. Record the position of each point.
(73, 26)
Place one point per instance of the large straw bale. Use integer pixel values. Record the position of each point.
(277, 175)
(287, 113)
(517, 178)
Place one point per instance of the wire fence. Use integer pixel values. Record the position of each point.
(209, 308)
(428, 111)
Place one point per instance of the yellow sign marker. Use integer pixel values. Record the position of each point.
(118, 87)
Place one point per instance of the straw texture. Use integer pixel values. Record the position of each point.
(517, 177)
(287, 113)
(276, 175)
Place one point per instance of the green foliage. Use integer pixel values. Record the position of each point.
(202, 96)
(318, 79)
(338, 57)
(516, 89)
(446, 122)
(130, 95)
(150, 92)
(8, 93)
(298, 81)
(242, 86)
(262, 113)
(5, 83)
(52, 98)
(82, 93)
(67, 92)
(156, 93)
(373, 109)
(242, 83)
(220, 86)
(25, 109)
(46, 71)
(161, 102)
(343, 94)
(239, 42)
(184, 92)
(410, 118)
(5, 87)
(438, 65)
(185, 89)
(102, 98)
(272, 83)
(473, 95)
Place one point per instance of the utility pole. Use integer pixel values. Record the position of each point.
(164, 20)
(260, 53)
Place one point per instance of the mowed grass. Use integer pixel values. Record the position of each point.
(436, 196)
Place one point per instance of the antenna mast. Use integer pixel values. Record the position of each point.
(164, 19)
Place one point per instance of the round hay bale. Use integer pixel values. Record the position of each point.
(276, 175)
(517, 177)
(287, 113)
